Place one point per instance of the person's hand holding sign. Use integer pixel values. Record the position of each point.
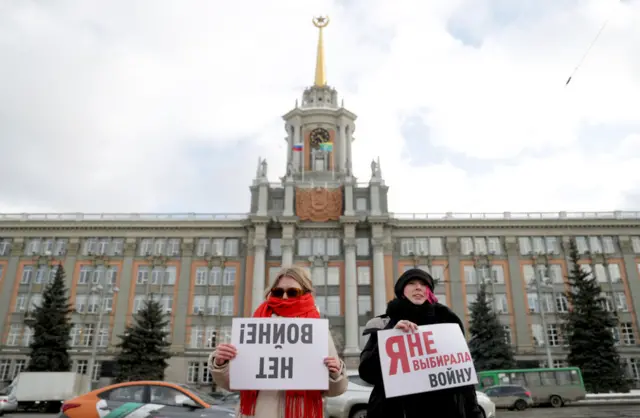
(224, 353)
(406, 326)
(333, 364)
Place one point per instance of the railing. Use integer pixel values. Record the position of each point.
(122, 216)
(444, 216)
(456, 216)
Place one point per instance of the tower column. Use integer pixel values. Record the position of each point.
(374, 195)
(288, 196)
(348, 196)
(287, 244)
(351, 297)
(342, 135)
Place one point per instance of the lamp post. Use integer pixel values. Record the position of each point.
(101, 291)
(539, 282)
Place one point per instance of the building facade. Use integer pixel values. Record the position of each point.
(207, 268)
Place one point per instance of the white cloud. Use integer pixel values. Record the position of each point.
(106, 105)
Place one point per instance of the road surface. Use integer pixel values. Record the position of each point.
(592, 411)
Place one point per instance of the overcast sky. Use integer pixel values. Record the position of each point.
(165, 105)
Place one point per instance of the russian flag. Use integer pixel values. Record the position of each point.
(297, 147)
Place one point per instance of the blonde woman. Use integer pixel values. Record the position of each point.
(290, 296)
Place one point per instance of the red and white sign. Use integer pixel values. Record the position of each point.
(435, 357)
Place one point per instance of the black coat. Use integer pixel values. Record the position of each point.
(460, 402)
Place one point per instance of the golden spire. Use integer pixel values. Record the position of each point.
(320, 22)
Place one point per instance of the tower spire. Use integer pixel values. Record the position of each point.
(320, 22)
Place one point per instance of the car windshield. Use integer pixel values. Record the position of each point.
(202, 395)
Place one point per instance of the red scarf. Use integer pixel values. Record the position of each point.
(298, 403)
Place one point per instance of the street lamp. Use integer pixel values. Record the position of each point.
(101, 291)
(539, 283)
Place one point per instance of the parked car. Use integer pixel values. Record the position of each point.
(171, 400)
(353, 403)
(510, 396)
(8, 402)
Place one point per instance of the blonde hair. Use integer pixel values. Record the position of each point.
(297, 273)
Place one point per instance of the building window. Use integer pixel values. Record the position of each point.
(5, 247)
(635, 244)
(500, 303)
(274, 247)
(328, 305)
(361, 204)
(553, 335)
(471, 298)
(480, 245)
(421, 246)
(364, 275)
(304, 246)
(508, 338)
(81, 366)
(364, 305)
(362, 247)
(18, 367)
(537, 334)
(538, 245)
(13, 336)
(5, 369)
(628, 337)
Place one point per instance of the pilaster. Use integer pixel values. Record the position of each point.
(259, 256)
(10, 278)
(184, 284)
(518, 290)
(122, 308)
(348, 196)
(289, 195)
(351, 350)
(457, 288)
(633, 281)
(287, 243)
(73, 251)
(374, 196)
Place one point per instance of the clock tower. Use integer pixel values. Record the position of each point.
(319, 214)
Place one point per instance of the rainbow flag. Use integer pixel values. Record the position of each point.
(297, 147)
(326, 146)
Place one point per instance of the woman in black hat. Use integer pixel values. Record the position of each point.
(414, 305)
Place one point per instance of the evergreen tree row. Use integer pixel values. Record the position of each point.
(587, 330)
(144, 346)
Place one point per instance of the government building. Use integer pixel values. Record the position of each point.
(206, 269)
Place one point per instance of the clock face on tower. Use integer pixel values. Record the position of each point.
(318, 136)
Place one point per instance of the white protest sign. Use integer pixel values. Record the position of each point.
(433, 358)
(279, 354)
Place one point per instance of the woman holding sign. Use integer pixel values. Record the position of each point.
(414, 305)
(290, 296)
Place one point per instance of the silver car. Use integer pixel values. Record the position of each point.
(353, 403)
(8, 403)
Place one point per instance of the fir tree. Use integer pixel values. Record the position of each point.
(144, 349)
(51, 328)
(488, 345)
(588, 330)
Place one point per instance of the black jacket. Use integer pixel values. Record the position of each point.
(460, 402)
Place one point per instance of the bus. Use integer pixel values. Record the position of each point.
(547, 386)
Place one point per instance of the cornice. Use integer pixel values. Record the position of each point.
(567, 225)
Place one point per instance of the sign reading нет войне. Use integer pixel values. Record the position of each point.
(434, 357)
(279, 354)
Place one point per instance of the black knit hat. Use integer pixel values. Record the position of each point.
(413, 274)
